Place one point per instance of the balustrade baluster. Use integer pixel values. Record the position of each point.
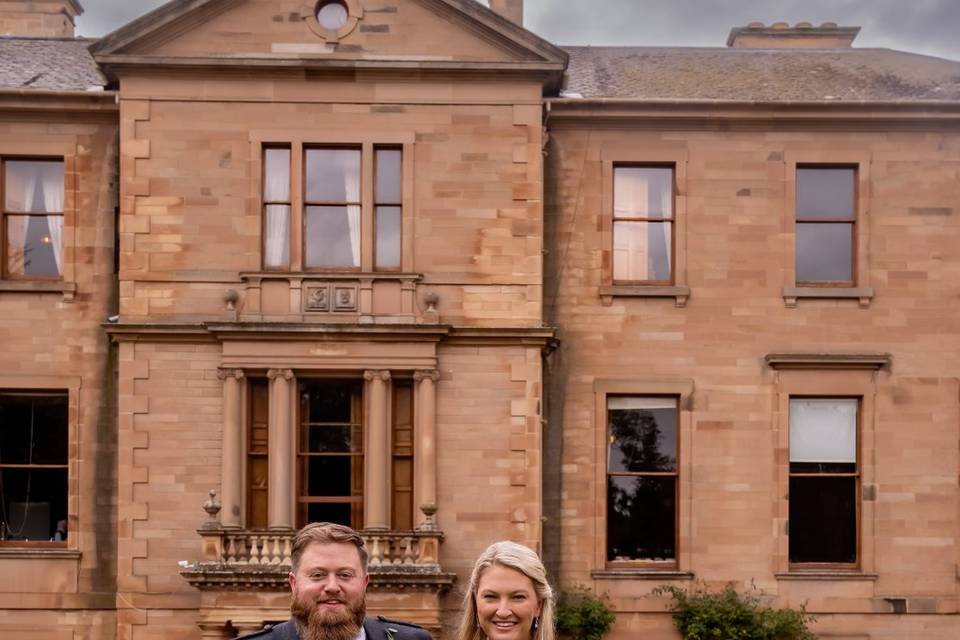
(287, 550)
(408, 557)
(254, 550)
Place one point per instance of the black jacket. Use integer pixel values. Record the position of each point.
(378, 628)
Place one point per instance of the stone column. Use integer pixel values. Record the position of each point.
(377, 468)
(425, 442)
(281, 455)
(231, 490)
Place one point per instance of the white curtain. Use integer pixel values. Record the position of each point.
(53, 201)
(666, 204)
(352, 188)
(823, 430)
(21, 185)
(276, 188)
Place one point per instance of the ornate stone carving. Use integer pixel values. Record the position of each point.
(373, 374)
(236, 374)
(426, 374)
(286, 374)
(345, 299)
(318, 298)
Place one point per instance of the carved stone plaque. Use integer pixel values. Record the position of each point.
(345, 298)
(318, 298)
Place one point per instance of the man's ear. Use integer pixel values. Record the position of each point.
(292, 581)
(366, 579)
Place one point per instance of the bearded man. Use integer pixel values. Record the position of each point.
(328, 579)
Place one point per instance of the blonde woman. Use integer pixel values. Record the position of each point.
(509, 597)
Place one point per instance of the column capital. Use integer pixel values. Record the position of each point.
(374, 374)
(426, 374)
(286, 374)
(224, 373)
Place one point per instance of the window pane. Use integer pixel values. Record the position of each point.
(326, 439)
(825, 193)
(642, 251)
(276, 175)
(643, 192)
(35, 501)
(388, 237)
(388, 176)
(641, 518)
(33, 429)
(824, 252)
(326, 512)
(329, 475)
(333, 237)
(642, 434)
(823, 519)
(333, 175)
(823, 430)
(329, 401)
(34, 186)
(276, 236)
(34, 245)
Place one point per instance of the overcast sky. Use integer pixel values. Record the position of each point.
(922, 26)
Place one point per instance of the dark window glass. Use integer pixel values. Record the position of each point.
(338, 513)
(329, 440)
(641, 518)
(823, 519)
(34, 432)
(641, 478)
(824, 252)
(825, 193)
(329, 476)
(329, 402)
(643, 434)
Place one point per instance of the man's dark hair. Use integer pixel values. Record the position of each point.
(326, 533)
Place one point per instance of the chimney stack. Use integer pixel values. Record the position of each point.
(39, 18)
(510, 9)
(803, 35)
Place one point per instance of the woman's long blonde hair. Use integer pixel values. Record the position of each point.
(513, 556)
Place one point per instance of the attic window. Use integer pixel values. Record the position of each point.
(332, 14)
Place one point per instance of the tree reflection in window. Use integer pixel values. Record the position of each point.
(641, 479)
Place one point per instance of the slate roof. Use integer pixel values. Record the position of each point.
(761, 75)
(62, 64)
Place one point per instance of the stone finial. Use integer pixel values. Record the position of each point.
(212, 507)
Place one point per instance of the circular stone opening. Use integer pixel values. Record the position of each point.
(332, 14)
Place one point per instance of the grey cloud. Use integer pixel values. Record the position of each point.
(922, 26)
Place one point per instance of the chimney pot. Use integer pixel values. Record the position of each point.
(781, 35)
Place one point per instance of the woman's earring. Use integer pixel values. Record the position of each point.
(536, 624)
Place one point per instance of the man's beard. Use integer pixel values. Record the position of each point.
(315, 623)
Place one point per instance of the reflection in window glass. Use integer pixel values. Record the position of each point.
(333, 237)
(388, 203)
(333, 176)
(33, 218)
(825, 209)
(332, 15)
(642, 437)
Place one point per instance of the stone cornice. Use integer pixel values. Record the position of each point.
(222, 331)
(828, 360)
(58, 103)
(714, 114)
(215, 577)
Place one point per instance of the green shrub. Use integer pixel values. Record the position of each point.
(582, 615)
(701, 614)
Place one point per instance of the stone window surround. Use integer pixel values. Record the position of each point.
(299, 139)
(282, 452)
(677, 158)
(827, 376)
(861, 290)
(71, 385)
(682, 388)
(67, 150)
